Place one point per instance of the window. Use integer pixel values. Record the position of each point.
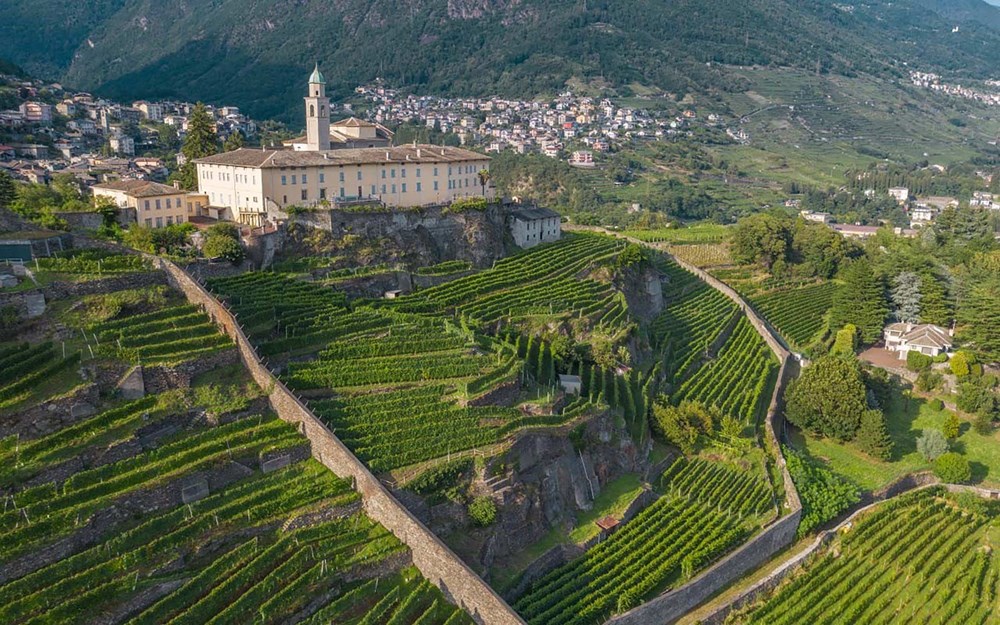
(146, 204)
(170, 221)
(435, 171)
(322, 193)
(392, 174)
(284, 199)
(435, 185)
(322, 177)
(149, 222)
(341, 176)
(168, 202)
(373, 190)
(418, 188)
(303, 178)
(383, 174)
(359, 172)
(284, 180)
(403, 187)
(383, 188)
(180, 219)
(159, 222)
(342, 192)
(293, 179)
(305, 194)
(449, 170)
(402, 173)
(157, 204)
(393, 188)
(418, 172)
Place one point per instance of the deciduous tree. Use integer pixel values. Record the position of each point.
(829, 398)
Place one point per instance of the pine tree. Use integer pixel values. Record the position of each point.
(201, 141)
(906, 297)
(873, 435)
(860, 301)
(233, 142)
(980, 317)
(934, 305)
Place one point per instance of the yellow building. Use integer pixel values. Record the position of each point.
(156, 205)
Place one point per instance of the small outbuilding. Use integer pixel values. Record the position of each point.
(531, 225)
(571, 384)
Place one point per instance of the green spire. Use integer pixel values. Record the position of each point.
(316, 77)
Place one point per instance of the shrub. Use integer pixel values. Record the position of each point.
(224, 229)
(915, 361)
(982, 425)
(960, 364)
(937, 404)
(932, 444)
(952, 426)
(483, 511)
(952, 468)
(846, 341)
(221, 246)
(928, 381)
(824, 494)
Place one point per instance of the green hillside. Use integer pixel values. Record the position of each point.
(253, 53)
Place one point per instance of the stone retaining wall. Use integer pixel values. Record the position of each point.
(431, 556)
(675, 603)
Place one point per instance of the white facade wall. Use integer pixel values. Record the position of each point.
(529, 233)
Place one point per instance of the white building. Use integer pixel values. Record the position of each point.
(901, 194)
(582, 158)
(822, 218)
(122, 144)
(531, 225)
(250, 183)
(982, 199)
(922, 215)
(926, 338)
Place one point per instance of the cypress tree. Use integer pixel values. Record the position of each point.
(201, 141)
(873, 435)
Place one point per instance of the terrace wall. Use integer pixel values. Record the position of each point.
(431, 556)
(675, 603)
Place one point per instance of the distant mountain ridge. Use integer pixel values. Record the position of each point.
(257, 53)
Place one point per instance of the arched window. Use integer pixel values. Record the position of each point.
(312, 111)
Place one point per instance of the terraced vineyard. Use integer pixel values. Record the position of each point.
(738, 379)
(798, 313)
(694, 317)
(93, 262)
(171, 334)
(146, 512)
(23, 367)
(920, 558)
(541, 282)
(387, 382)
(707, 511)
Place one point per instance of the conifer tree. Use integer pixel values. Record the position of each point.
(873, 435)
(233, 142)
(979, 315)
(7, 191)
(906, 297)
(860, 301)
(201, 141)
(934, 305)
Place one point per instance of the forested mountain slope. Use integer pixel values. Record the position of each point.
(252, 52)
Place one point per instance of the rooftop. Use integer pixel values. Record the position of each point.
(139, 188)
(269, 159)
(531, 213)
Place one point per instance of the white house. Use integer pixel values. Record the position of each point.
(922, 214)
(533, 225)
(901, 194)
(926, 338)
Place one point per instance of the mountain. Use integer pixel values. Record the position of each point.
(257, 53)
(965, 11)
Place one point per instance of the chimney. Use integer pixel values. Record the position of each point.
(177, 184)
(387, 156)
(418, 152)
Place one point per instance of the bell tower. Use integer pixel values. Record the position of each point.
(317, 113)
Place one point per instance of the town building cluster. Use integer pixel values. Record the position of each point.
(568, 126)
(989, 94)
(54, 130)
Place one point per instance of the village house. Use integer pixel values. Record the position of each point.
(922, 214)
(822, 218)
(156, 205)
(926, 338)
(582, 158)
(900, 194)
(36, 112)
(531, 225)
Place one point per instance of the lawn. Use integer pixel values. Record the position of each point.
(906, 419)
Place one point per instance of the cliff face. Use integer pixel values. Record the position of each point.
(423, 237)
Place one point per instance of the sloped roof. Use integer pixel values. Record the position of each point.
(928, 335)
(139, 188)
(531, 213)
(249, 157)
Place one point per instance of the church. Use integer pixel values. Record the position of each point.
(349, 163)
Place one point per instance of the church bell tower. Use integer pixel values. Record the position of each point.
(317, 113)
